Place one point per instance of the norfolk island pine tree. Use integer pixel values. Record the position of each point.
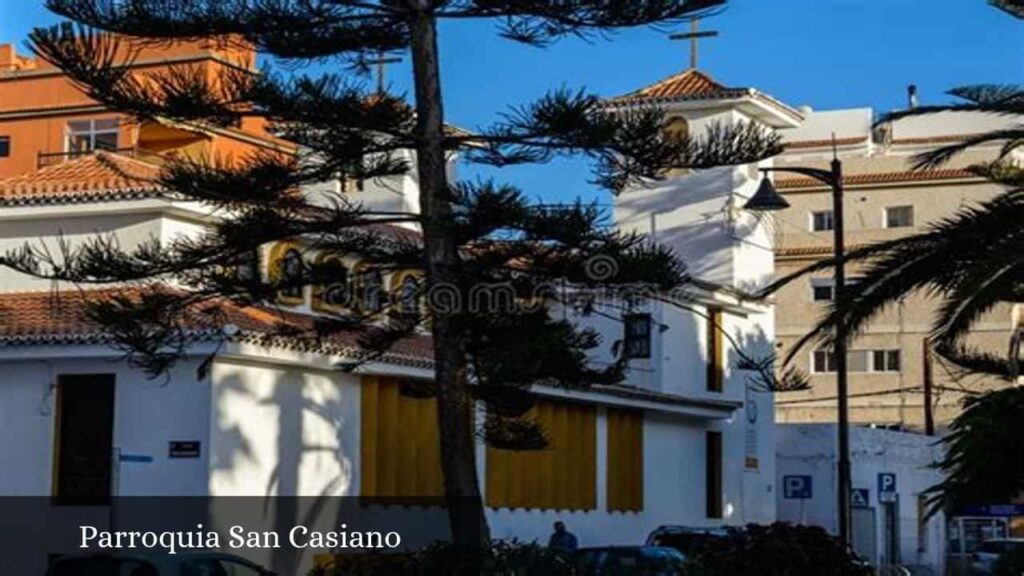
(473, 233)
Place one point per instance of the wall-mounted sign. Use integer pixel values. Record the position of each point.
(860, 498)
(886, 482)
(184, 449)
(797, 487)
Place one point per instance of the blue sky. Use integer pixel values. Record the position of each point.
(826, 53)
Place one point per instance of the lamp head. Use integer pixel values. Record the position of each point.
(767, 198)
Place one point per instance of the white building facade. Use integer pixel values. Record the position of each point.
(891, 471)
(687, 439)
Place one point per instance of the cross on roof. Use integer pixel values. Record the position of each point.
(694, 35)
(381, 60)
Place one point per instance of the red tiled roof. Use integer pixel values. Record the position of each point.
(880, 178)
(58, 318)
(811, 250)
(825, 143)
(687, 85)
(101, 175)
(934, 139)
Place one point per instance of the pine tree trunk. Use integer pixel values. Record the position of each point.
(455, 406)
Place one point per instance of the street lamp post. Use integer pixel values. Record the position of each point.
(767, 199)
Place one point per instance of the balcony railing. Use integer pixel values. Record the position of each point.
(44, 159)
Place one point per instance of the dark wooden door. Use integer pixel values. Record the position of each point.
(85, 438)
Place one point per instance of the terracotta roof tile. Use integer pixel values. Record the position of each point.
(799, 144)
(935, 139)
(47, 317)
(101, 175)
(687, 85)
(798, 251)
(879, 178)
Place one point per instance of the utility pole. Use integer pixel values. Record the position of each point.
(768, 199)
(929, 416)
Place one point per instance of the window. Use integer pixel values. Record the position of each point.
(371, 290)
(677, 129)
(285, 267)
(636, 341)
(563, 476)
(713, 468)
(899, 216)
(291, 271)
(625, 469)
(676, 132)
(400, 452)
(822, 290)
(857, 361)
(5, 146)
(716, 351)
(405, 292)
(88, 135)
(333, 293)
(823, 361)
(822, 221)
(886, 361)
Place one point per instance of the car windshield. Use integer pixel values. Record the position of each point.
(629, 561)
(689, 543)
(999, 546)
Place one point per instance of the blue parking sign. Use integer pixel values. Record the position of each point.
(886, 483)
(797, 487)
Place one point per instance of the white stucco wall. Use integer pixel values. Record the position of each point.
(130, 223)
(282, 431)
(148, 415)
(809, 449)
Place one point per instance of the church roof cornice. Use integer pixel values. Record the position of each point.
(694, 88)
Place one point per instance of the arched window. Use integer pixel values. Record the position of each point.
(286, 267)
(677, 128)
(334, 293)
(405, 291)
(370, 288)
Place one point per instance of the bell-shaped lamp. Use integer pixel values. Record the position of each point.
(766, 199)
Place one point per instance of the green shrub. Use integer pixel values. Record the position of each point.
(502, 558)
(779, 549)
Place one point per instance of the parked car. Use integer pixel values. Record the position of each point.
(984, 558)
(686, 540)
(182, 564)
(630, 560)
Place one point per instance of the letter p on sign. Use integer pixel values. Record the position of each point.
(886, 482)
(797, 487)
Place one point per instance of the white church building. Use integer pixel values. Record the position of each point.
(688, 439)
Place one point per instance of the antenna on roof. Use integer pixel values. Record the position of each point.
(694, 35)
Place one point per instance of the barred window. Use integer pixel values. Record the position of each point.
(636, 342)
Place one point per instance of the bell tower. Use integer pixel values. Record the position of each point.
(699, 212)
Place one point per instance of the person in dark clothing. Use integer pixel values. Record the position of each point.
(562, 539)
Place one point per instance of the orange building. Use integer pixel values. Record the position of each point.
(45, 118)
